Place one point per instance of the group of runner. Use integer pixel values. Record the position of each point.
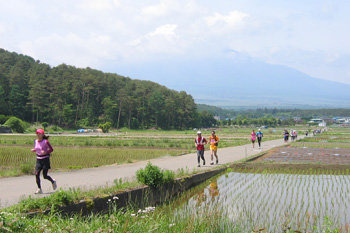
(200, 142)
(259, 135)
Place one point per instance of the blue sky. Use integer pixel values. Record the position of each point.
(311, 36)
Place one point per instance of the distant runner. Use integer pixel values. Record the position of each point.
(199, 143)
(253, 137)
(286, 135)
(214, 140)
(260, 135)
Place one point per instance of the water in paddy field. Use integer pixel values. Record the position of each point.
(276, 202)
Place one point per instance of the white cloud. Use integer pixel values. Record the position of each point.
(2, 29)
(159, 42)
(91, 32)
(233, 19)
(70, 49)
(166, 30)
(155, 10)
(99, 5)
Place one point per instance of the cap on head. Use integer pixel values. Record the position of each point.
(199, 132)
(41, 131)
(259, 129)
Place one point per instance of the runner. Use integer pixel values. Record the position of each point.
(286, 135)
(253, 137)
(214, 140)
(42, 149)
(260, 135)
(199, 143)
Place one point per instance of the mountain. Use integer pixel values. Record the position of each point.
(231, 83)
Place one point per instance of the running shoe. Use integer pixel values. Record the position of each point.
(198, 165)
(217, 161)
(39, 191)
(54, 185)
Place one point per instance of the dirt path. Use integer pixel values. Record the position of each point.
(14, 189)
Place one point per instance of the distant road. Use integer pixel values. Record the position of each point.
(14, 189)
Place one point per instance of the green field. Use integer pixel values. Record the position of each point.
(75, 151)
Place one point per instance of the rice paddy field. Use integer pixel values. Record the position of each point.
(291, 197)
(276, 202)
(76, 151)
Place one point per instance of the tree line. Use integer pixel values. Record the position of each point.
(282, 113)
(74, 97)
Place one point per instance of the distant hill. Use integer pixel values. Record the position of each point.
(244, 83)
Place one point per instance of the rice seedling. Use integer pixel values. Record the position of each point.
(72, 158)
(266, 199)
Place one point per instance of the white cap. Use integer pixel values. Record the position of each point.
(259, 129)
(199, 132)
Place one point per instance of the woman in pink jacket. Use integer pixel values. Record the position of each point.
(42, 149)
(253, 137)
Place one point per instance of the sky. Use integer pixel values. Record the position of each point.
(311, 36)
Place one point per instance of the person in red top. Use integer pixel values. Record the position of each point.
(43, 150)
(199, 143)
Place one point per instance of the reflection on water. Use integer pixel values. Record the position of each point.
(276, 201)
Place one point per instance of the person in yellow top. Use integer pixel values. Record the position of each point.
(214, 140)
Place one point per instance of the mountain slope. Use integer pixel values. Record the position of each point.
(244, 82)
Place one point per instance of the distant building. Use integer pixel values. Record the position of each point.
(345, 120)
(217, 118)
(322, 124)
(297, 119)
(316, 120)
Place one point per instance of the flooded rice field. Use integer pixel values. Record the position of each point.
(276, 202)
(307, 154)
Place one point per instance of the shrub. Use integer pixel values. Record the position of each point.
(3, 119)
(15, 124)
(169, 176)
(151, 176)
(105, 127)
(45, 125)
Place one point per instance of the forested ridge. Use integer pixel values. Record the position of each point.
(74, 97)
(274, 112)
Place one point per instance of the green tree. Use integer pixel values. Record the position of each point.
(105, 127)
(156, 103)
(15, 124)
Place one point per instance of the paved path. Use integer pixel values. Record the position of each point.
(13, 189)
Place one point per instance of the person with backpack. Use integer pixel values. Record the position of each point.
(286, 136)
(199, 143)
(43, 150)
(259, 135)
(214, 141)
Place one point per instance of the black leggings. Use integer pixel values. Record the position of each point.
(37, 176)
(259, 141)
